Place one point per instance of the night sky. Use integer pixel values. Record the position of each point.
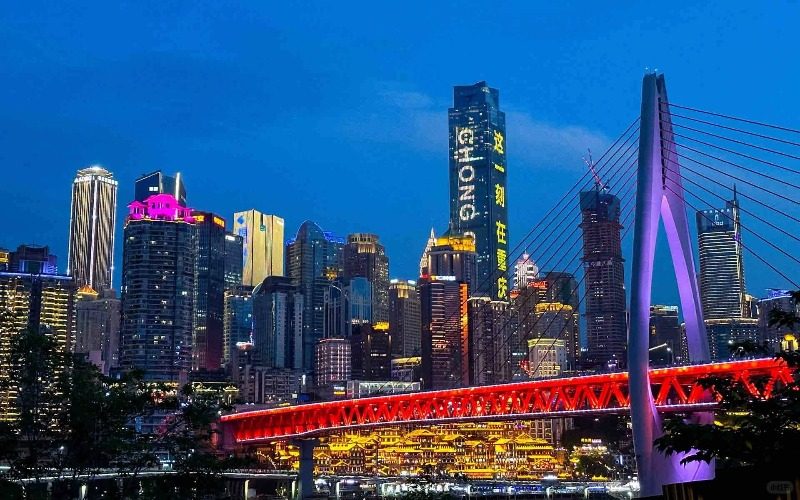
(338, 113)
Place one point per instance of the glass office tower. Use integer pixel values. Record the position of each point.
(478, 183)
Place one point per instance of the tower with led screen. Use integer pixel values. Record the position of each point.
(477, 130)
(262, 236)
(91, 228)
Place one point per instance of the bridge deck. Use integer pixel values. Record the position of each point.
(674, 389)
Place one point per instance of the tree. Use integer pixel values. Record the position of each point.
(100, 432)
(31, 383)
(187, 436)
(763, 433)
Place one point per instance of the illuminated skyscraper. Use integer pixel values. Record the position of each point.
(37, 301)
(726, 308)
(158, 183)
(313, 262)
(363, 256)
(546, 358)
(478, 183)
(423, 261)
(454, 256)
(91, 228)
(525, 271)
(722, 287)
(332, 366)
(405, 325)
(262, 236)
(445, 332)
(606, 318)
(158, 282)
(209, 301)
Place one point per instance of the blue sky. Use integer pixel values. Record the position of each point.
(338, 112)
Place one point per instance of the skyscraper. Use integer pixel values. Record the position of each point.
(489, 343)
(34, 301)
(97, 325)
(313, 262)
(278, 323)
(158, 282)
(159, 183)
(722, 287)
(773, 335)
(665, 335)
(91, 228)
(233, 261)
(363, 256)
(454, 256)
(405, 322)
(445, 332)
(423, 261)
(478, 182)
(262, 237)
(726, 307)
(238, 321)
(525, 271)
(332, 366)
(606, 321)
(370, 347)
(209, 300)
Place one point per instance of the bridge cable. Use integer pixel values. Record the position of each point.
(583, 297)
(740, 193)
(736, 141)
(748, 169)
(523, 243)
(740, 242)
(722, 198)
(736, 118)
(505, 326)
(576, 257)
(631, 135)
(573, 273)
(765, 240)
(732, 129)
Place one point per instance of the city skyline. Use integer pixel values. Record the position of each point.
(404, 110)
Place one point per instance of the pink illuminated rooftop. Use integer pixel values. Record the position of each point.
(159, 207)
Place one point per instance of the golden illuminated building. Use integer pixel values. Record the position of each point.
(36, 302)
(486, 450)
(263, 245)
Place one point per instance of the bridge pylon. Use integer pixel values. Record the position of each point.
(657, 168)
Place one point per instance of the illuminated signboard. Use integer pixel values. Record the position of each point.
(501, 252)
(466, 174)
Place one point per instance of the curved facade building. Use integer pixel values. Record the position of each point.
(313, 263)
